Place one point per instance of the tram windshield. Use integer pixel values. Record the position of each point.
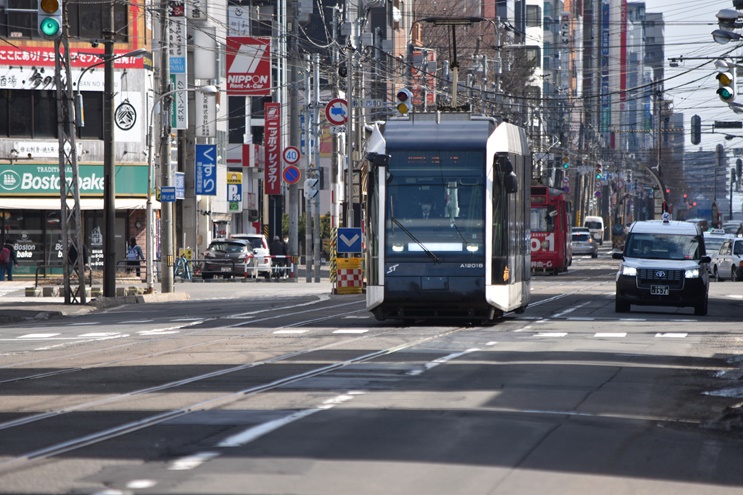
(435, 203)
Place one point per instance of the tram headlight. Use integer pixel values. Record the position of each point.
(545, 245)
(629, 271)
(398, 248)
(472, 248)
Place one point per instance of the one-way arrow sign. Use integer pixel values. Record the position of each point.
(349, 240)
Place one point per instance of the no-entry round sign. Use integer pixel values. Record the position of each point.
(336, 111)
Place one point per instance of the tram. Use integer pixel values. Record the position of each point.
(447, 220)
(550, 230)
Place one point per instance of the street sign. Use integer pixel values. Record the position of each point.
(349, 240)
(336, 111)
(234, 187)
(167, 194)
(337, 129)
(291, 155)
(291, 174)
(206, 169)
(369, 103)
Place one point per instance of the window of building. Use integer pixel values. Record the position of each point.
(533, 16)
(33, 114)
(533, 54)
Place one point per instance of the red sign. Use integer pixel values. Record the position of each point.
(43, 56)
(272, 143)
(248, 66)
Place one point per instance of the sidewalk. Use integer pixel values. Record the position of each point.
(16, 307)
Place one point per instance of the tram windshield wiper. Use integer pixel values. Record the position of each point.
(435, 258)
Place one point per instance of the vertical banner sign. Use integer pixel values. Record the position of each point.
(605, 98)
(204, 48)
(206, 115)
(248, 66)
(234, 190)
(206, 169)
(177, 56)
(272, 171)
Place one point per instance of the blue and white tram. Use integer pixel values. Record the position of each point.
(448, 219)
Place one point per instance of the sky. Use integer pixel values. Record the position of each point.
(691, 88)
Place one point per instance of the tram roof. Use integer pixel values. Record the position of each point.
(452, 131)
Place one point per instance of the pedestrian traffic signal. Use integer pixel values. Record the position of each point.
(49, 19)
(696, 129)
(565, 162)
(726, 89)
(404, 101)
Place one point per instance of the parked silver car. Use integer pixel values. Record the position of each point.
(583, 243)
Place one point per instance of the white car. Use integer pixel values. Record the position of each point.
(261, 251)
(727, 264)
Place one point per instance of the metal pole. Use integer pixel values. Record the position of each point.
(308, 172)
(293, 189)
(167, 257)
(109, 165)
(316, 200)
(349, 127)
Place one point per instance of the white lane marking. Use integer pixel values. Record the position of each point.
(278, 332)
(580, 318)
(136, 321)
(256, 432)
(633, 319)
(100, 334)
(350, 331)
(550, 334)
(191, 461)
(491, 343)
(113, 492)
(186, 319)
(610, 335)
(570, 310)
(672, 335)
(158, 332)
(352, 317)
(85, 323)
(141, 484)
(38, 335)
(441, 360)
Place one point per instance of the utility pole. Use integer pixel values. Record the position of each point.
(351, 116)
(316, 136)
(294, 138)
(307, 171)
(109, 163)
(70, 218)
(166, 223)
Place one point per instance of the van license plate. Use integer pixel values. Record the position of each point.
(658, 290)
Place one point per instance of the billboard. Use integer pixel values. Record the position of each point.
(272, 143)
(248, 66)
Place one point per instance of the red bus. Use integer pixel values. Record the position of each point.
(550, 230)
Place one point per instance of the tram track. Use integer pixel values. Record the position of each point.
(215, 402)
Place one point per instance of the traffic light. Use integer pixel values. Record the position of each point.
(565, 162)
(598, 171)
(696, 129)
(49, 19)
(404, 101)
(726, 89)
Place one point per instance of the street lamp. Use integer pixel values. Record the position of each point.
(167, 282)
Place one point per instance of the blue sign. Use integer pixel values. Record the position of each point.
(206, 169)
(167, 194)
(180, 185)
(349, 240)
(234, 193)
(291, 174)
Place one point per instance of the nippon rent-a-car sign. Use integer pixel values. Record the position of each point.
(248, 66)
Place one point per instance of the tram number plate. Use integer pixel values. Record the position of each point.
(658, 290)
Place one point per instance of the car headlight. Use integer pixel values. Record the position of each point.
(629, 271)
(693, 273)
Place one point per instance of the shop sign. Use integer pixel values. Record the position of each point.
(43, 180)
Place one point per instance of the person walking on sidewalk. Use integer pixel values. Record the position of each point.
(133, 257)
(278, 248)
(8, 261)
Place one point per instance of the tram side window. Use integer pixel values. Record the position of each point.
(541, 220)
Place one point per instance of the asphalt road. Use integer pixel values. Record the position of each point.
(297, 391)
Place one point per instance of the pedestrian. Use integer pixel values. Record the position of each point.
(278, 248)
(133, 257)
(8, 261)
(72, 256)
